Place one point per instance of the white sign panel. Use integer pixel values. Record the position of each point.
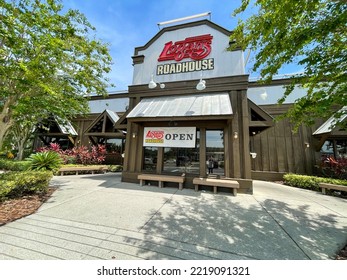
(184, 137)
(187, 52)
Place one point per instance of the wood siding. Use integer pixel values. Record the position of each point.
(280, 150)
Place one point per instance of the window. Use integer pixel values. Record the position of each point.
(183, 160)
(114, 145)
(215, 152)
(336, 148)
(150, 158)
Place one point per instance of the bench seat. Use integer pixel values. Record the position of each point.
(326, 186)
(77, 169)
(234, 185)
(161, 179)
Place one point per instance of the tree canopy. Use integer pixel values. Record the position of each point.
(311, 33)
(49, 61)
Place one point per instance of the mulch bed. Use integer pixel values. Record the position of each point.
(16, 208)
(13, 209)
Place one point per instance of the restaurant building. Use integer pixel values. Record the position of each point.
(191, 103)
(188, 106)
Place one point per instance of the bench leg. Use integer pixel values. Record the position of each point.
(196, 188)
(180, 186)
(235, 192)
(160, 184)
(324, 191)
(141, 182)
(76, 172)
(214, 189)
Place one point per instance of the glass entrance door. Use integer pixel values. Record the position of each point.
(215, 152)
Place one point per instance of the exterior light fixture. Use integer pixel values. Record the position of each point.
(152, 84)
(202, 84)
(236, 135)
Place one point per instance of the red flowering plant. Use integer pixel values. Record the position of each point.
(335, 168)
(66, 155)
(80, 154)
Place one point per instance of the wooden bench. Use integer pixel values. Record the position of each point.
(234, 185)
(326, 186)
(161, 179)
(76, 169)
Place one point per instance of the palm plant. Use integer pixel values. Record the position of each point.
(48, 160)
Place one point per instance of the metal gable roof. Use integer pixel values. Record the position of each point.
(65, 127)
(328, 126)
(210, 104)
(113, 116)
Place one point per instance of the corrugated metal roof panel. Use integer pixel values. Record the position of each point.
(66, 127)
(212, 104)
(113, 115)
(328, 126)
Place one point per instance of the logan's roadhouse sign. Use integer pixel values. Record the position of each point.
(184, 137)
(195, 48)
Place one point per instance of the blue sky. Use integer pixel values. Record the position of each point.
(126, 24)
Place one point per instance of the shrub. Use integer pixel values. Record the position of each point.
(79, 155)
(45, 161)
(335, 168)
(85, 156)
(115, 168)
(14, 165)
(5, 188)
(15, 184)
(310, 182)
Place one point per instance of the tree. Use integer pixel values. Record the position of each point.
(311, 33)
(49, 62)
(20, 133)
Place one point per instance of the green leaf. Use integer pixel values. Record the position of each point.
(312, 33)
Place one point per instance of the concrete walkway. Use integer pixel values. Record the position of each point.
(99, 217)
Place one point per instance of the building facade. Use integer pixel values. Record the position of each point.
(188, 107)
(191, 109)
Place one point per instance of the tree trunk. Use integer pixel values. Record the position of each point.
(4, 127)
(20, 146)
(5, 119)
(21, 133)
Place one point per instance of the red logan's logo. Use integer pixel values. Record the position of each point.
(196, 48)
(159, 134)
(154, 136)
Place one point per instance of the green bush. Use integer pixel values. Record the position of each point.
(310, 182)
(14, 165)
(115, 168)
(45, 161)
(15, 184)
(5, 188)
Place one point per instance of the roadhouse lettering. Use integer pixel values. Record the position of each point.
(184, 67)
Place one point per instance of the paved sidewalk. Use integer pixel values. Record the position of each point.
(99, 217)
